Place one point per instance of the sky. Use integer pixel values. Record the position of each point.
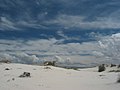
(66, 30)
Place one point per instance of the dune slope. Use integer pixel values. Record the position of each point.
(54, 78)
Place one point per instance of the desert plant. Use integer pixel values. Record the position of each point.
(101, 68)
(7, 69)
(47, 68)
(118, 66)
(25, 74)
(5, 61)
(118, 80)
(112, 65)
(114, 71)
(51, 63)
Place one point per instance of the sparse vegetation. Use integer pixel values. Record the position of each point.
(47, 68)
(101, 68)
(49, 63)
(7, 69)
(25, 74)
(118, 80)
(74, 68)
(5, 61)
(114, 71)
(113, 65)
(118, 66)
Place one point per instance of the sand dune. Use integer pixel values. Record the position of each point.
(54, 78)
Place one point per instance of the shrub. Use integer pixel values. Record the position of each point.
(25, 74)
(101, 68)
(47, 68)
(114, 71)
(118, 66)
(112, 65)
(118, 80)
(49, 63)
(5, 61)
(7, 69)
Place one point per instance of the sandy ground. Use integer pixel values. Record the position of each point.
(54, 78)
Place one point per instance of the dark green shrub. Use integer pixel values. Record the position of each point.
(5, 61)
(25, 74)
(49, 63)
(101, 68)
(118, 80)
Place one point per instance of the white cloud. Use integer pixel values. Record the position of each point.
(110, 48)
(7, 24)
(69, 21)
(6, 56)
(39, 50)
(20, 58)
(65, 21)
(65, 37)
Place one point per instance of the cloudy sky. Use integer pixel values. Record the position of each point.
(46, 29)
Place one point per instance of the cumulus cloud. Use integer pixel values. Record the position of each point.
(19, 58)
(6, 56)
(42, 49)
(25, 58)
(45, 46)
(109, 48)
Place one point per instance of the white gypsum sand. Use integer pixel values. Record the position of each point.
(54, 78)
